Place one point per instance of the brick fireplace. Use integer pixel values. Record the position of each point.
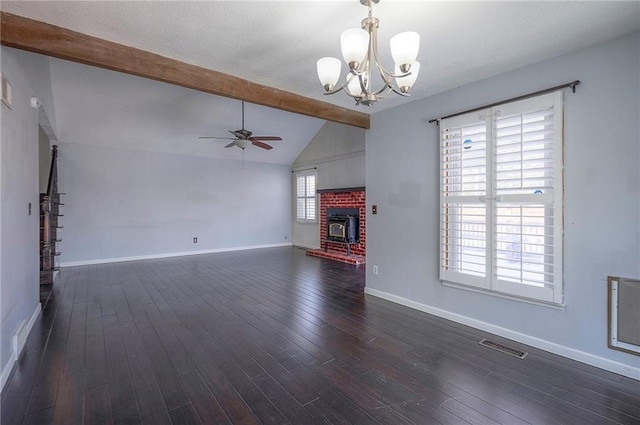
(342, 199)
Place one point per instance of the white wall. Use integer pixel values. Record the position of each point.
(19, 257)
(138, 181)
(338, 153)
(602, 192)
(123, 203)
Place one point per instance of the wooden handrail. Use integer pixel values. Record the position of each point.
(53, 172)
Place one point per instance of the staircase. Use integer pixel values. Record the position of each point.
(49, 213)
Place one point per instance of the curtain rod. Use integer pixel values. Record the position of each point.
(572, 84)
(304, 169)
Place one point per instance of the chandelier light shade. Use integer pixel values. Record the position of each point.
(329, 72)
(404, 48)
(355, 44)
(353, 87)
(360, 52)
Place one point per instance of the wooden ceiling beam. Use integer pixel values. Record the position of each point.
(40, 37)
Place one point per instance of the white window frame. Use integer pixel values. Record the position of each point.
(306, 197)
(485, 277)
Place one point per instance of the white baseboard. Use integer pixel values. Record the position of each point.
(19, 340)
(299, 245)
(167, 255)
(6, 371)
(552, 347)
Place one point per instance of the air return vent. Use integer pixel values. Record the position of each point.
(624, 314)
(508, 350)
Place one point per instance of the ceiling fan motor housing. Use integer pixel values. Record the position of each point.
(242, 133)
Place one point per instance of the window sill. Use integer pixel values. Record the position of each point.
(306, 222)
(560, 307)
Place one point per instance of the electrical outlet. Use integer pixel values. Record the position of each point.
(375, 270)
(195, 240)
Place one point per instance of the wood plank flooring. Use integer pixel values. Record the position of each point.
(276, 337)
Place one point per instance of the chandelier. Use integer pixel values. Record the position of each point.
(360, 52)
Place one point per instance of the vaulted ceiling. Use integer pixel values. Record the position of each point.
(276, 44)
(104, 108)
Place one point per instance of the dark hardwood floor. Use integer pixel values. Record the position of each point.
(275, 337)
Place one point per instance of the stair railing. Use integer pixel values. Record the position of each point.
(49, 213)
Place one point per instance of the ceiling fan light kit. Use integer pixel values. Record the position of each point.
(360, 51)
(243, 138)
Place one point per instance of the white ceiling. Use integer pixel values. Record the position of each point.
(277, 43)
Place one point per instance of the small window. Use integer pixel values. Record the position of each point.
(502, 199)
(306, 198)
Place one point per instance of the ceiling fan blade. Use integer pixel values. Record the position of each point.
(212, 137)
(261, 145)
(231, 144)
(266, 138)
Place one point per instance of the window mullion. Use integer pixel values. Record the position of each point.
(306, 198)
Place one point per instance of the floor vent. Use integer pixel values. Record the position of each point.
(508, 350)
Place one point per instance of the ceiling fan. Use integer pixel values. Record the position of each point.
(243, 138)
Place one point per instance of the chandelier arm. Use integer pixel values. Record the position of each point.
(390, 89)
(380, 94)
(385, 75)
(366, 66)
(386, 78)
(396, 91)
(334, 91)
(343, 86)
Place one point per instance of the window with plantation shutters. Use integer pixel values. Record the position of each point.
(306, 197)
(501, 198)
